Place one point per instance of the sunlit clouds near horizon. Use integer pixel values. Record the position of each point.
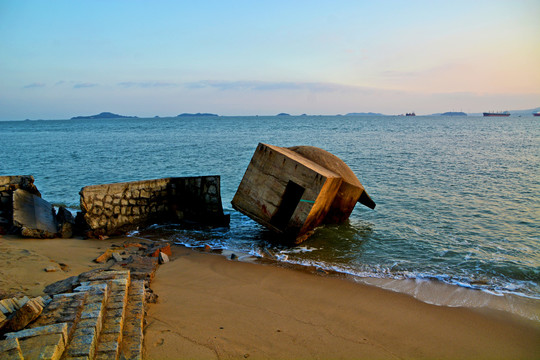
(64, 58)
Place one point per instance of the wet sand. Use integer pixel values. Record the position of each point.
(210, 307)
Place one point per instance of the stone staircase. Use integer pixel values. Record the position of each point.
(100, 316)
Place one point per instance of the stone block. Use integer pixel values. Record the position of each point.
(13, 182)
(99, 288)
(25, 315)
(117, 257)
(109, 343)
(49, 346)
(66, 223)
(90, 322)
(22, 301)
(166, 249)
(42, 330)
(33, 215)
(83, 343)
(163, 258)
(10, 350)
(115, 305)
(107, 255)
(142, 267)
(7, 306)
(112, 326)
(100, 274)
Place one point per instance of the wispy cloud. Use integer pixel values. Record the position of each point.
(34, 85)
(255, 85)
(399, 74)
(147, 84)
(84, 85)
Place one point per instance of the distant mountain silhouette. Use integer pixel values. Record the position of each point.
(103, 115)
(197, 114)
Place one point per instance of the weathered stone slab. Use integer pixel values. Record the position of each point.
(120, 207)
(33, 215)
(142, 267)
(103, 258)
(133, 325)
(50, 346)
(25, 315)
(42, 330)
(66, 223)
(102, 274)
(10, 350)
(7, 306)
(61, 286)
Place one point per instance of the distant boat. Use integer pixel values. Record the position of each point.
(536, 113)
(502, 113)
(410, 114)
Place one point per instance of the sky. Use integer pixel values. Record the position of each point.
(60, 59)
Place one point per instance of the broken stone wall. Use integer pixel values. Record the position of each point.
(115, 208)
(8, 184)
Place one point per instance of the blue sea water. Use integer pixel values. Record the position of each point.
(457, 197)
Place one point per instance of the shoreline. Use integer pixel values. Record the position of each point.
(210, 306)
(430, 291)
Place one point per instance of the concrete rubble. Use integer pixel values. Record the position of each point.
(34, 216)
(293, 190)
(100, 316)
(9, 184)
(111, 209)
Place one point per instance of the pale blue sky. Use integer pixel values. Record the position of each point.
(64, 58)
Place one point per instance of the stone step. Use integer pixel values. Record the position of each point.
(113, 323)
(86, 331)
(101, 319)
(44, 342)
(132, 335)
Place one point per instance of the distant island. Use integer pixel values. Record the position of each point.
(454, 113)
(197, 114)
(283, 114)
(364, 114)
(103, 115)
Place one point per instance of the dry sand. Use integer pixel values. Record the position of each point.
(214, 308)
(210, 307)
(23, 261)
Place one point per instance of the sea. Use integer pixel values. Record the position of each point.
(457, 221)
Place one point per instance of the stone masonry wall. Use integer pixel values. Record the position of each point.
(115, 208)
(8, 184)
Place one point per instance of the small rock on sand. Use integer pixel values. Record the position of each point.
(163, 258)
(51, 268)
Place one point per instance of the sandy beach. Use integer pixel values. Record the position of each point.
(210, 307)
